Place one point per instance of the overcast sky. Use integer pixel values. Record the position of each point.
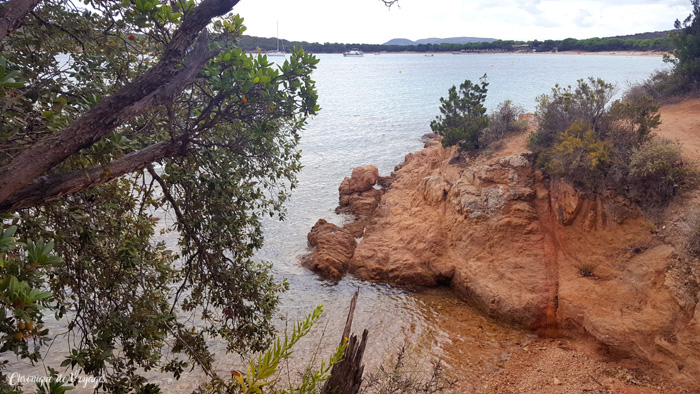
(369, 21)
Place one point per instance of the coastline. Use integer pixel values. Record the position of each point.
(581, 53)
(590, 346)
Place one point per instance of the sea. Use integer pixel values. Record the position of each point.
(374, 110)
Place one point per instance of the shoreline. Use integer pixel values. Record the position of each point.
(580, 53)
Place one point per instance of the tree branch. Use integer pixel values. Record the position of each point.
(155, 87)
(51, 188)
(12, 14)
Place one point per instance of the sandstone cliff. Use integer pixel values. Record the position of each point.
(528, 251)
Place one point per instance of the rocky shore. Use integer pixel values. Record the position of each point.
(526, 250)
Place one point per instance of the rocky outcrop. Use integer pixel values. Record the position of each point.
(528, 251)
(334, 246)
(357, 193)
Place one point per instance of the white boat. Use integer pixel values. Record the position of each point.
(277, 52)
(354, 53)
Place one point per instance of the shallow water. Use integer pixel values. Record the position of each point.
(374, 111)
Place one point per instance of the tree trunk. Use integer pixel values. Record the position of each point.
(346, 376)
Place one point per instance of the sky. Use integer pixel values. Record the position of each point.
(371, 22)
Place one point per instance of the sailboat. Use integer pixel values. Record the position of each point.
(277, 52)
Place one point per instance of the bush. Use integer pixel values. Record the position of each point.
(463, 115)
(656, 172)
(578, 155)
(557, 111)
(664, 86)
(503, 122)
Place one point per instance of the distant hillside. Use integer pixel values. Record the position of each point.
(645, 36)
(438, 41)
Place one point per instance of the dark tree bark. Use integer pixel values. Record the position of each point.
(51, 188)
(12, 14)
(155, 87)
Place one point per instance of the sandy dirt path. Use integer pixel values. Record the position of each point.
(681, 122)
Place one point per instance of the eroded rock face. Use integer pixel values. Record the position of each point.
(525, 250)
(357, 193)
(361, 180)
(334, 246)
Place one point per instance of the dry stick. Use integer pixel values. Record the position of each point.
(346, 376)
(596, 380)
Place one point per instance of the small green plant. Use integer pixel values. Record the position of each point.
(262, 372)
(463, 115)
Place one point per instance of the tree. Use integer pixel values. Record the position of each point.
(153, 122)
(463, 115)
(686, 55)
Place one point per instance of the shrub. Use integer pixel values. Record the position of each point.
(557, 111)
(664, 86)
(463, 116)
(503, 122)
(636, 113)
(656, 171)
(578, 155)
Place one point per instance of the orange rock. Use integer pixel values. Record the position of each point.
(361, 180)
(524, 249)
(333, 248)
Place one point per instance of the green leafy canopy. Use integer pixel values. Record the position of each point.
(194, 138)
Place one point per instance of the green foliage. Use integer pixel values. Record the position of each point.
(463, 116)
(597, 146)
(643, 42)
(579, 155)
(262, 372)
(686, 55)
(128, 300)
(21, 299)
(557, 111)
(656, 172)
(54, 385)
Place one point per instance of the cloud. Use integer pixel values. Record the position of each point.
(584, 19)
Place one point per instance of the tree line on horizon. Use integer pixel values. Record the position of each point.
(662, 43)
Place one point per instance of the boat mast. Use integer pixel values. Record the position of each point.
(278, 36)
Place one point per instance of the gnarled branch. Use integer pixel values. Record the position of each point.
(51, 188)
(155, 87)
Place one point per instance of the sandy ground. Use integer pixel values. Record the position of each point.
(681, 122)
(579, 365)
